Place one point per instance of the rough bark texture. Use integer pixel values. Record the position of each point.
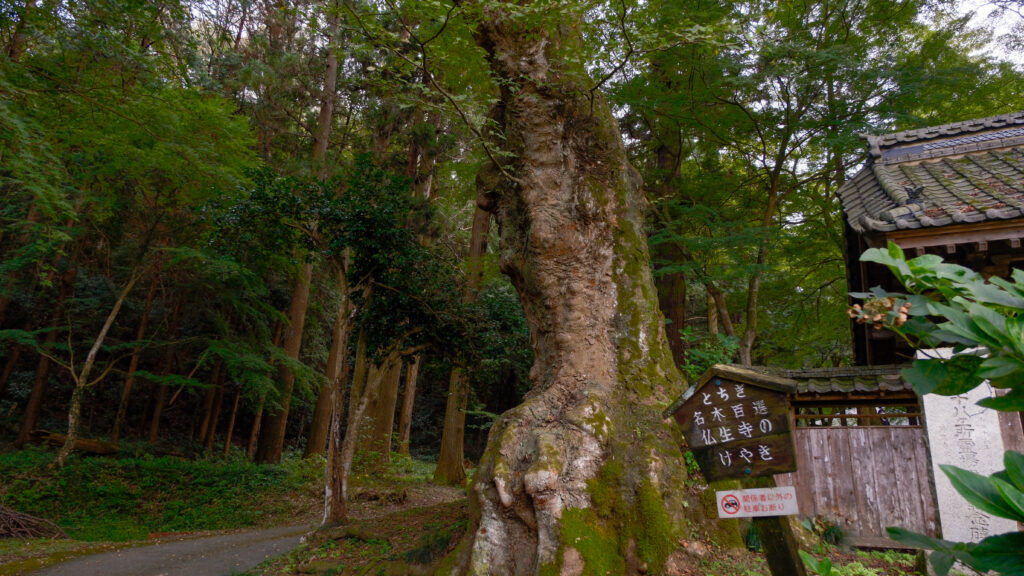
(325, 120)
(342, 450)
(672, 300)
(450, 468)
(580, 477)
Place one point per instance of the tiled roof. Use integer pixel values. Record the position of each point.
(952, 174)
(843, 380)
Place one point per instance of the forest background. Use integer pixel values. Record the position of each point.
(220, 219)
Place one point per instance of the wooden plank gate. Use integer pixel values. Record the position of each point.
(864, 479)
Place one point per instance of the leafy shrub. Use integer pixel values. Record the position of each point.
(706, 350)
(954, 306)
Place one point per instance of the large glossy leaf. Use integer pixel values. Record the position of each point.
(999, 366)
(991, 294)
(893, 258)
(821, 567)
(925, 262)
(1014, 462)
(1015, 333)
(941, 336)
(979, 490)
(991, 323)
(948, 377)
(924, 375)
(959, 323)
(1013, 497)
(917, 540)
(1003, 553)
(1011, 402)
(942, 562)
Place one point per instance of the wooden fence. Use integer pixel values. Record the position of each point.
(864, 478)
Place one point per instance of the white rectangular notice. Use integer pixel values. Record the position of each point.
(779, 501)
(968, 436)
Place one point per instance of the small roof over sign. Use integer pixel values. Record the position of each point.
(737, 374)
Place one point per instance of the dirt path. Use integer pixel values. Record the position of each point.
(210, 556)
(225, 554)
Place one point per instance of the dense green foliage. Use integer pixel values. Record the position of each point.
(170, 143)
(745, 136)
(167, 170)
(128, 498)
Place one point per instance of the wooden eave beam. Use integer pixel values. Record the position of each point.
(956, 234)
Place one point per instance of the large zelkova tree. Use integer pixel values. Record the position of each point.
(583, 474)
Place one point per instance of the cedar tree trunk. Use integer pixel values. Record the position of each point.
(35, 400)
(412, 372)
(165, 369)
(231, 423)
(271, 440)
(584, 476)
(450, 468)
(379, 421)
(322, 413)
(321, 423)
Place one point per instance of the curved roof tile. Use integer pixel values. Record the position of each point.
(965, 172)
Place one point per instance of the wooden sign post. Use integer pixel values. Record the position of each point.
(736, 422)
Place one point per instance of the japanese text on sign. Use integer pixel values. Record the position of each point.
(737, 429)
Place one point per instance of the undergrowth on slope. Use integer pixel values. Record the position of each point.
(118, 499)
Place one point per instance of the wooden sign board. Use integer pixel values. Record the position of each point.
(736, 423)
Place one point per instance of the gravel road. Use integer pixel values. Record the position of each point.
(210, 556)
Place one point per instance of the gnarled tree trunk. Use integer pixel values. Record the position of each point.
(587, 456)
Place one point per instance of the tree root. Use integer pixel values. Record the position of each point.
(14, 524)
